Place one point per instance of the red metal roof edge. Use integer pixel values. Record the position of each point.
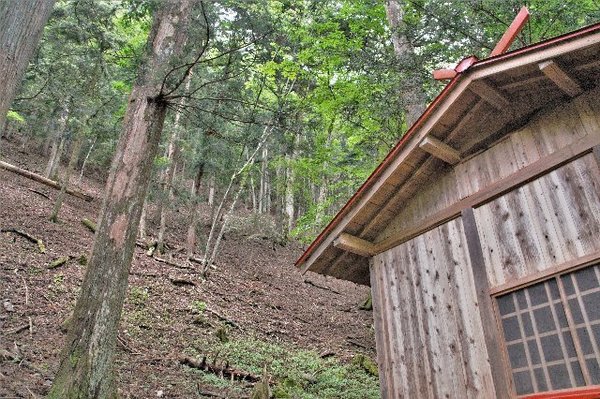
(400, 145)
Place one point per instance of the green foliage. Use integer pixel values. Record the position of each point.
(198, 307)
(138, 296)
(15, 116)
(298, 373)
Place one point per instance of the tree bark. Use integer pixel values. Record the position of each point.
(67, 177)
(190, 242)
(411, 93)
(58, 142)
(173, 152)
(85, 160)
(86, 369)
(22, 24)
(264, 193)
(290, 205)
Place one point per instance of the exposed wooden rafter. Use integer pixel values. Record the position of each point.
(354, 244)
(489, 193)
(512, 32)
(440, 150)
(490, 95)
(561, 78)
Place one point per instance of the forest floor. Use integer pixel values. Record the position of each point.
(255, 295)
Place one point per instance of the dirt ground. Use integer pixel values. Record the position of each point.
(255, 288)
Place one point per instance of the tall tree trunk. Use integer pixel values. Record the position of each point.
(264, 194)
(211, 191)
(87, 364)
(21, 25)
(411, 93)
(58, 142)
(190, 242)
(289, 206)
(67, 178)
(85, 160)
(142, 228)
(167, 189)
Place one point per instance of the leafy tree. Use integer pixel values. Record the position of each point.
(86, 369)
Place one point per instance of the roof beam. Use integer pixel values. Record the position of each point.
(561, 78)
(354, 244)
(444, 74)
(490, 95)
(512, 32)
(440, 150)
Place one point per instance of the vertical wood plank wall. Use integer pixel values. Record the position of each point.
(429, 334)
(547, 132)
(430, 342)
(545, 223)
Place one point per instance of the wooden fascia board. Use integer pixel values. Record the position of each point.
(509, 61)
(561, 78)
(358, 246)
(440, 150)
(410, 145)
(495, 190)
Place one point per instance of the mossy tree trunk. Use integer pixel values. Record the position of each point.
(86, 369)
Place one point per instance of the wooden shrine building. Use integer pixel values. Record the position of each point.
(479, 233)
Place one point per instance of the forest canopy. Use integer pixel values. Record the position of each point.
(316, 85)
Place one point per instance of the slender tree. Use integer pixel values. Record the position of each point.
(21, 25)
(86, 368)
(411, 94)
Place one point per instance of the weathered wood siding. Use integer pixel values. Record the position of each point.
(545, 223)
(551, 130)
(429, 335)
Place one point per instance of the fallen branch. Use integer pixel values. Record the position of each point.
(356, 343)
(224, 371)
(27, 236)
(224, 319)
(39, 193)
(180, 282)
(321, 287)
(170, 263)
(58, 262)
(43, 180)
(89, 224)
(19, 329)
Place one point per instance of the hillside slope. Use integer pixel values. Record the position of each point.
(255, 296)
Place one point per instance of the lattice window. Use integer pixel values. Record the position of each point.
(552, 332)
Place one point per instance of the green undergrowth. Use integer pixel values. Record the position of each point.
(298, 374)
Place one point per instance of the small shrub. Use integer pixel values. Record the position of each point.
(138, 296)
(198, 307)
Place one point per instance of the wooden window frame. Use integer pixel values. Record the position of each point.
(556, 272)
